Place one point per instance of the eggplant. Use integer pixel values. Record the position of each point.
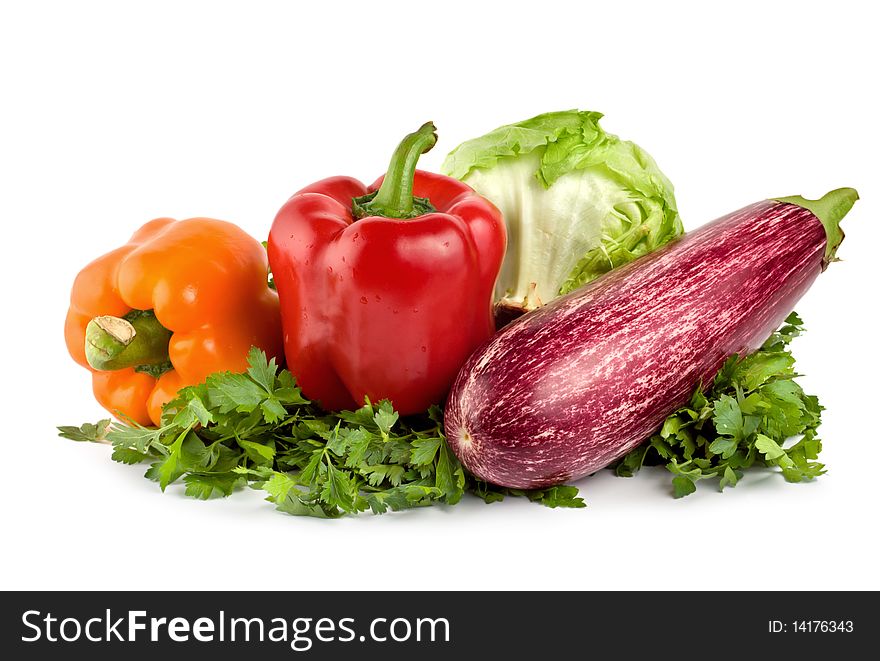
(573, 386)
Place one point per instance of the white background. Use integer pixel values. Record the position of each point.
(113, 114)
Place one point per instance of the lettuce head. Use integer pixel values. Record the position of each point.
(577, 202)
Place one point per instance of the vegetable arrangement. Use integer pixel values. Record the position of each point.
(634, 345)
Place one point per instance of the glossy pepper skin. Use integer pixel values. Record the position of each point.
(385, 307)
(206, 282)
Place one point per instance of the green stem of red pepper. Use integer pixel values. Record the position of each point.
(394, 199)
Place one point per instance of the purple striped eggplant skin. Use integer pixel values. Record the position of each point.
(569, 388)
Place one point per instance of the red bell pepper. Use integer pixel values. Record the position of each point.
(383, 294)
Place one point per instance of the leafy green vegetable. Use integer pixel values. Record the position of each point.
(746, 419)
(256, 428)
(577, 201)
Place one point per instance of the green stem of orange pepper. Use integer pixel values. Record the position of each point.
(137, 340)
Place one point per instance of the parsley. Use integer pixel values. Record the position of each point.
(745, 420)
(256, 429)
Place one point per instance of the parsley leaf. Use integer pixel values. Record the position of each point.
(128, 456)
(89, 432)
(210, 485)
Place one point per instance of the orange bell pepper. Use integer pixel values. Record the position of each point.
(179, 301)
